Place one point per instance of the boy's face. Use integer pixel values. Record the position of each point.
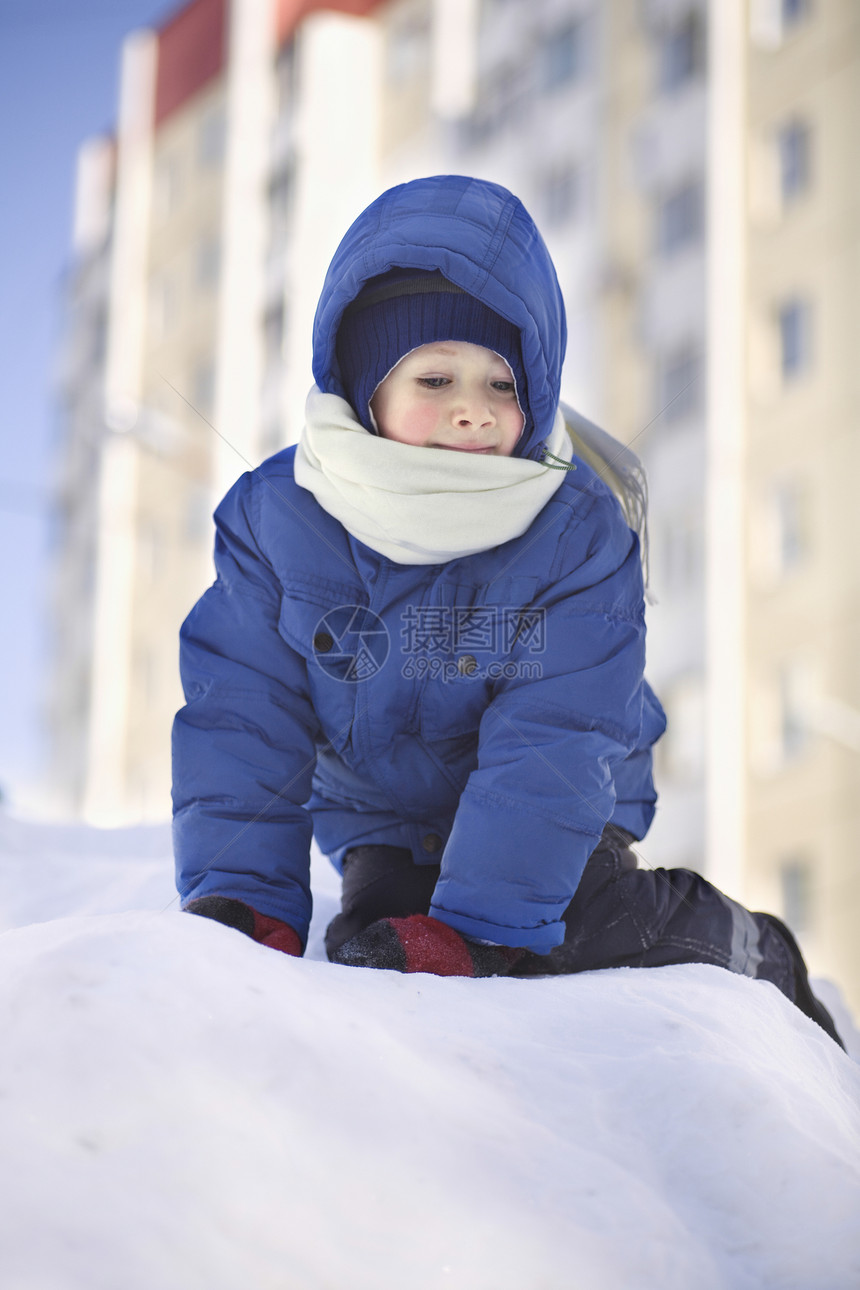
(450, 395)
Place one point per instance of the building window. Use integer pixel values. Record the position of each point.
(680, 553)
(791, 525)
(781, 709)
(164, 304)
(793, 150)
(501, 98)
(211, 137)
(792, 696)
(561, 57)
(408, 50)
(148, 676)
(793, 12)
(286, 76)
(99, 335)
(273, 436)
(795, 339)
(203, 387)
(780, 533)
(281, 191)
(167, 186)
(679, 219)
(679, 384)
(198, 515)
(150, 550)
(559, 190)
(273, 334)
(772, 21)
(682, 749)
(681, 52)
(796, 888)
(208, 263)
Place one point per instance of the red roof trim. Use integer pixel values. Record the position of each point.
(291, 12)
(192, 48)
(192, 45)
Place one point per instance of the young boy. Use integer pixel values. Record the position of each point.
(426, 642)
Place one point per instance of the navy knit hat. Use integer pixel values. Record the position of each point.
(400, 310)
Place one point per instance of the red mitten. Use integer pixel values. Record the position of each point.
(260, 928)
(420, 943)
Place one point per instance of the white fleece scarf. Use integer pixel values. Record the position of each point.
(419, 505)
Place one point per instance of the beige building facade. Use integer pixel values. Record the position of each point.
(690, 165)
(801, 612)
(204, 229)
(712, 235)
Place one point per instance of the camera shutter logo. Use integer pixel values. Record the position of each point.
(351, 643)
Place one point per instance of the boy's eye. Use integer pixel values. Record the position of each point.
(504, 387)
(433, 382)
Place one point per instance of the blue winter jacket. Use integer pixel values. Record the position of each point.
(491, 712)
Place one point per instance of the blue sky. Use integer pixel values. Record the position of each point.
(59, 62)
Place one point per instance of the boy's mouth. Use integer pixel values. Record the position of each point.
(450, 447)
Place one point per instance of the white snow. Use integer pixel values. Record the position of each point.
(185, 1110)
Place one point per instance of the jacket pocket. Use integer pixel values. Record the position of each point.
(323, 624)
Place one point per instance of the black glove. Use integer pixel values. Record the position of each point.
(260, 928)
(420, 943)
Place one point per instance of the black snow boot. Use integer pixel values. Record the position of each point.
(805, 1000)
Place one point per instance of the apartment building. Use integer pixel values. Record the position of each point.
(203, 230)
(74, 532)
(799, 279)
(596, 116)
(651, 304)
(512, 93)
(731, 221)
(690, 167)
(668, 151)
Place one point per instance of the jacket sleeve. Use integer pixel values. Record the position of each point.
(549, 742)
(244, 744)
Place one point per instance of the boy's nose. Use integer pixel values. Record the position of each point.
(473, 412)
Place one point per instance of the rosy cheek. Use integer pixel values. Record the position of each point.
(419, 423)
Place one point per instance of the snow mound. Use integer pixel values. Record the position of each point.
(182, 1108)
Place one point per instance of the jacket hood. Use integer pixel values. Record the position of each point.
(480, 237)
